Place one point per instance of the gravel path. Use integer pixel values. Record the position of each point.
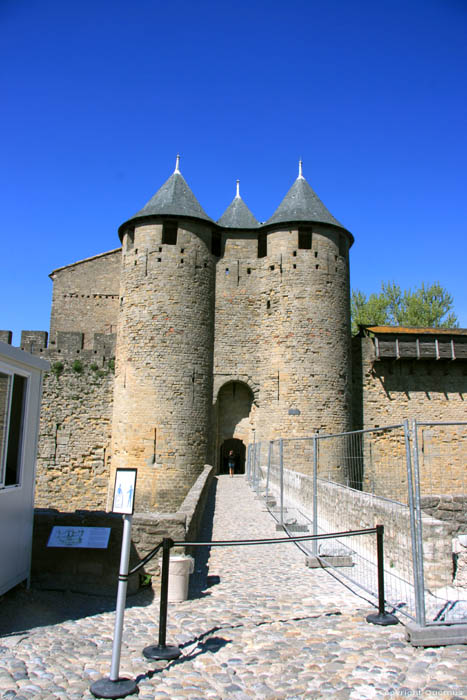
(259, 624)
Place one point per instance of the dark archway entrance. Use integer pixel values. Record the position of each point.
(239, 450)
(233, 423)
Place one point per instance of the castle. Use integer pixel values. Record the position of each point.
(223, 332)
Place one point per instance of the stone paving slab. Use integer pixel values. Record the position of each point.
(259, 624)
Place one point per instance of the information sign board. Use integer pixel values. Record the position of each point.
(124, 491)
(76, 536)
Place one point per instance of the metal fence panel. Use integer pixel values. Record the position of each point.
(321, 488)
(440, 464)
(411, 481)
(371, 488)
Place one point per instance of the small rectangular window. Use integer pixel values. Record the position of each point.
(305, 238)
(12, 401)
(262, 245)
(169, 232)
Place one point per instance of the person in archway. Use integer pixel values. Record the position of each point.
(231, 462)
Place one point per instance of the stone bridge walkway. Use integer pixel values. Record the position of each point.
(259, 624)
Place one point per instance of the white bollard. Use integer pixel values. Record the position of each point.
(181, 566)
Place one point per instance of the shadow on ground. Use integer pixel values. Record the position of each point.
(23, 609)
(199, 580)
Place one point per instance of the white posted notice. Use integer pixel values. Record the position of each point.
(76, 536)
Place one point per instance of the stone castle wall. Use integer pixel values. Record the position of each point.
(73, 463)
(96, 570)
(386, 392)
(451, 509)
(85, 297)
(237, 341)
(282, 328)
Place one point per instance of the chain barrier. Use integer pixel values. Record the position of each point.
(167, 652)
(115, 687)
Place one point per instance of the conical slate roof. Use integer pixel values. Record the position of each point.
(237, 215)
(301, 203)
(174, 198)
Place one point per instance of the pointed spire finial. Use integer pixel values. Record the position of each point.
(177, 164)
(300, 167)
(238, 190)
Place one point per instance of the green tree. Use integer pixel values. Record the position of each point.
(426, 307)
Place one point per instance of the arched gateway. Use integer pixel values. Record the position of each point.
(233, 412)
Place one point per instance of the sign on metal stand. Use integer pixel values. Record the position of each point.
(124, 503)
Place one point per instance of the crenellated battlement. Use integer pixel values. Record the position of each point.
(69, 344)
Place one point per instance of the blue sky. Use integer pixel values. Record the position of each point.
(98, 97)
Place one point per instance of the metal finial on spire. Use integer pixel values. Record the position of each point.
(177, 164)
(238, 190)
(300, 165)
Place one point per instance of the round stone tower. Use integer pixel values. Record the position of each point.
(306, 369)
(164, 356)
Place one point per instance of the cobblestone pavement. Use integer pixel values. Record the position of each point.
(259, 625)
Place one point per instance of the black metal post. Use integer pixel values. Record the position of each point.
(161, 650)
(164, 592)
(381, 617)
